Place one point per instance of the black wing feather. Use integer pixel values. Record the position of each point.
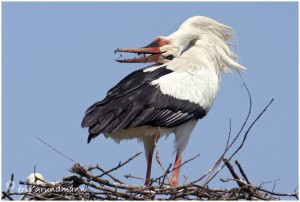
(134, 102)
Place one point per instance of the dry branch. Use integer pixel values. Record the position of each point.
(119, 165)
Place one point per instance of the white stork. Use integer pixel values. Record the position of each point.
(171, 95)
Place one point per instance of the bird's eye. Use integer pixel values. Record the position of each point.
(169, 57)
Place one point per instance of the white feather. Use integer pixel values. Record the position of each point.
(146, 133)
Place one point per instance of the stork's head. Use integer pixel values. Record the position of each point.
(154, 52)
(199, 31)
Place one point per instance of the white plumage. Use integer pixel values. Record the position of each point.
(170, 96)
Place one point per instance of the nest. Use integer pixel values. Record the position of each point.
(84, 185)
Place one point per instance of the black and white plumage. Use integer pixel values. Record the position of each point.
(170, 96)
(138, 105)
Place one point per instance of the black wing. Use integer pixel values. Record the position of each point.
(134, 102)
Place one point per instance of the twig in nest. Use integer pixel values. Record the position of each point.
(59, 152)
(166, 175)
(103, 171)
(233, 173)
(250, 127)
(119, 165)
(9, 185)
(158, 159)
(278, 194)
(242, 171)
(134, 177)
(228, 146)
(167, 172)
(244, 138)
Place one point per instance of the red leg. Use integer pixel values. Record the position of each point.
(149, 144)
(149, 165)
(175, 174)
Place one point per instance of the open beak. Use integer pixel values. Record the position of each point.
(149, 53)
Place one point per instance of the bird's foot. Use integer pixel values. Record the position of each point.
(174, 182)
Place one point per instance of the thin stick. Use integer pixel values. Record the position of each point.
(154, 180)
(244, 139)
(242, 171)
(278, 194)
(134, 177)
(228, 146)
(166, 175)
(5, 194)
(233, 173)
(246, 134)
(120, 164)
(9, 187)
(104, 171)
(59, 152)
(158, 159)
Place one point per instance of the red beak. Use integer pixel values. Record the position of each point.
(153, 49)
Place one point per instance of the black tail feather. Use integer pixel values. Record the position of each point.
(91, 136)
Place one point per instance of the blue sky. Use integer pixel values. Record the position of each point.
(58, 59)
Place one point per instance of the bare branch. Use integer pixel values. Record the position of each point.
(103, 171)
(158, 160)
(167, 172)
(233, 173)
(244, 137)
(250, 127)
(242, 171)
(120, 164)
(59, 152)
(278, 194)
(9, 185)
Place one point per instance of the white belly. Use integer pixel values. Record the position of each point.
(182, 133)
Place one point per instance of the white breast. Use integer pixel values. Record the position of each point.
(194, 79)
